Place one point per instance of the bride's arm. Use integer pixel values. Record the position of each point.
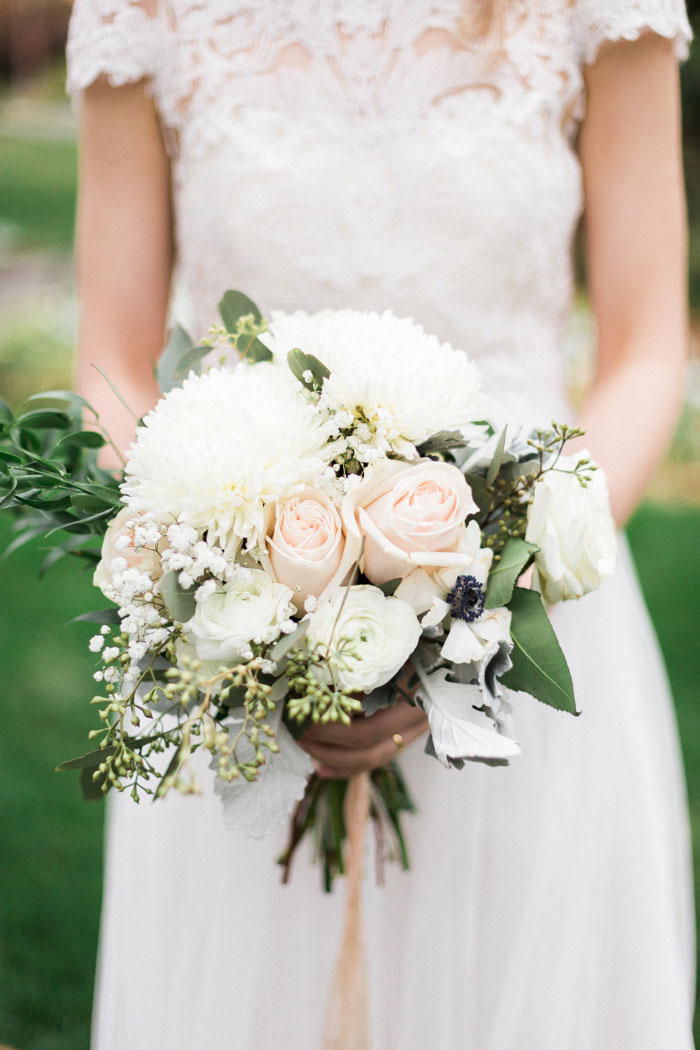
(123, 251)
(636, 250)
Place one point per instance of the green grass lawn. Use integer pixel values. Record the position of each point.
(37, 190)
(51, 841)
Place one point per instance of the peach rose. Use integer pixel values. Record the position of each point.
(144, 558)
(307, 548)
(410, 514)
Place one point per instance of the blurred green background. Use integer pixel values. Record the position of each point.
(50, 841)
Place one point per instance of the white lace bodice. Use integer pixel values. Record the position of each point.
(366, 153)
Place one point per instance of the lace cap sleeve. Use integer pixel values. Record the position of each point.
(116, 38)
(602, 20)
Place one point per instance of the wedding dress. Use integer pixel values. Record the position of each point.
(361, 153)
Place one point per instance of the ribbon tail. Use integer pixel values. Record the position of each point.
(346, 1025)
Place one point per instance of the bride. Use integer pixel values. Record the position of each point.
(432, 157)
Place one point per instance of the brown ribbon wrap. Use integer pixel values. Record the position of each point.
(346, 1024)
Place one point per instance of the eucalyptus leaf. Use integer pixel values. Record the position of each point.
(443, 441)
(390, 587)
(179, 601)
(90, 787)
(539, 665)
(235, 305)
(301, 363)
(177, 346)
(287, 642)
(482, 498)
(497, 459)
(191, 361)
(255, 807)
(279, 689)
(254, 351)
(513, 561)
(173, 768)
(91, 759)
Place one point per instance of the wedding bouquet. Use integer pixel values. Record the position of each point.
(304, 538)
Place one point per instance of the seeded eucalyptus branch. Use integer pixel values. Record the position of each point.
(506, 492)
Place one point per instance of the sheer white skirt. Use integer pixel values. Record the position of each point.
(548, 906)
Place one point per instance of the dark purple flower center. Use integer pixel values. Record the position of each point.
(466, 599)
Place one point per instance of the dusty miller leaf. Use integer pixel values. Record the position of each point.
(255, 807)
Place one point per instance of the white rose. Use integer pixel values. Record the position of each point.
(368, 640)
(119, 542)
(248, 608)
(573, 527)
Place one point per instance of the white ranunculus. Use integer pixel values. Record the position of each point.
(252, 606)
(573, 527)
(368, 640)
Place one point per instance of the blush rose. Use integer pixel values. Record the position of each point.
(410, 514)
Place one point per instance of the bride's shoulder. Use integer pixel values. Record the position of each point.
(118, 39)
(596, 22)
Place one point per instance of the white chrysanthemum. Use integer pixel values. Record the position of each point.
(387, 373)
(213, 452)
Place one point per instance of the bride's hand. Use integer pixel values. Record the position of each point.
(369, 742)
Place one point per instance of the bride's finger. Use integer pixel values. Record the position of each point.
(368, 730)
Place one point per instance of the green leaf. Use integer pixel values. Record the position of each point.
(86, 501)
(170, 775)
(443, 441)
(255, 351)
(177, 346)
(91, 789)
(388, 589)
(98, 616)
(514, 559)
(42, 419)
(90, 760)
(82, 439)
(235, 305)
(497, 459)
(478, 486)
(179, 602)
(10, 457)
(287, 642)
(539, 665)
(191, 361)
(300, 363)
